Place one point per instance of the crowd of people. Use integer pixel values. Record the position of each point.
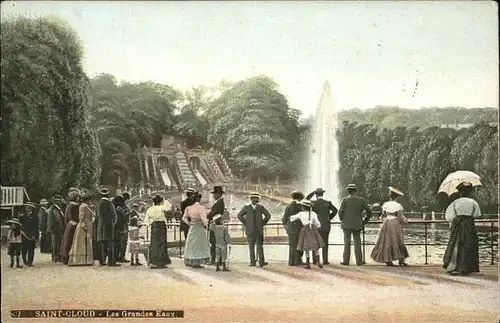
(83, 234)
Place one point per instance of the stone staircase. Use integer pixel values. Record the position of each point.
(186, 176)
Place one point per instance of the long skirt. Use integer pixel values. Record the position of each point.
(67, 241)
(197, 249)
(81, 252)
(158, 249)
(45, 242)
(462, 252)
(390, 244)
(309, 239)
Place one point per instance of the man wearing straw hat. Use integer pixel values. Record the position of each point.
(55, 227)
(351, 215)
(42, 221)
(254, 217)
(29, 221)
(188, 201)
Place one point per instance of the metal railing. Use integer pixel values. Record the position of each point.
(490, 223)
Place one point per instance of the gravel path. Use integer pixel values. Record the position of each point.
(276, 293)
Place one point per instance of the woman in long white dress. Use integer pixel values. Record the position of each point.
(197, 250)
(390, 244)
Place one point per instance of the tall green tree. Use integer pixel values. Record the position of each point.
(252, 124)
(45, 98)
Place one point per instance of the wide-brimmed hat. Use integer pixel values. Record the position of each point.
(104, 191)
(217, 189)
(396, 191)
(43, 202)
(74, 189)
(189, 190)
(296, 192)
(58, 198)
(157, 199)
(14, 221)
(319, 190)
(464, 185)
(31, 204)
(306, 203)
(216, 217)
(135, 204)
(352, 187)
(255, 195)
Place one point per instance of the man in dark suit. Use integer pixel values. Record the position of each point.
(251, 217)
(351, 215)
(29, 222)
(107, 219)
(121, 227)
(188, 201)
(217, 208)
(326, 212)
(55, 226)
(293, 229)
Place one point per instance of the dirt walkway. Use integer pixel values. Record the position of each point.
(274, 294)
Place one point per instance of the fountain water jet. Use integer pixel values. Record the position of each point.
(323, 160)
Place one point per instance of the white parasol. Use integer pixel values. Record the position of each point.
(450, 183)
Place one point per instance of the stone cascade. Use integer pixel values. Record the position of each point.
(214, 167)
(221, 161)
(186, 176)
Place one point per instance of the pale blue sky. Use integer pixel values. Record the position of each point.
(370, 52)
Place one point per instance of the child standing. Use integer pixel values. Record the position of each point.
(135, 246)
(222, 242)
(309, 237)
(14, 241)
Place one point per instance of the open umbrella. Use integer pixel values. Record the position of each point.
(450, 183)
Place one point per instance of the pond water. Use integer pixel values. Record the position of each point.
(437, 238)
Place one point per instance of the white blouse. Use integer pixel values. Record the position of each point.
(463, 206)
(155, 213)
(303, 216)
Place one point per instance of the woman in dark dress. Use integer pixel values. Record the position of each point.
(156, 220)
(462, 253)
(71, 219)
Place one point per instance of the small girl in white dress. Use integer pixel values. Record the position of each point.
(309, 237)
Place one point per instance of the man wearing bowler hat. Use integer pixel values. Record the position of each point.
(326, 212)
(56, 227)
(29, 221)
(254, 217)
(42, 221)
(351, 215)
(107, 219)
(188, 201)
(293, 228)
(217, 208)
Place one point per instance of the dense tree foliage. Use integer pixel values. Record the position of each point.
(47, 143)
(391, 117)
(256, 130)
(129, 116)
(417, 160)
